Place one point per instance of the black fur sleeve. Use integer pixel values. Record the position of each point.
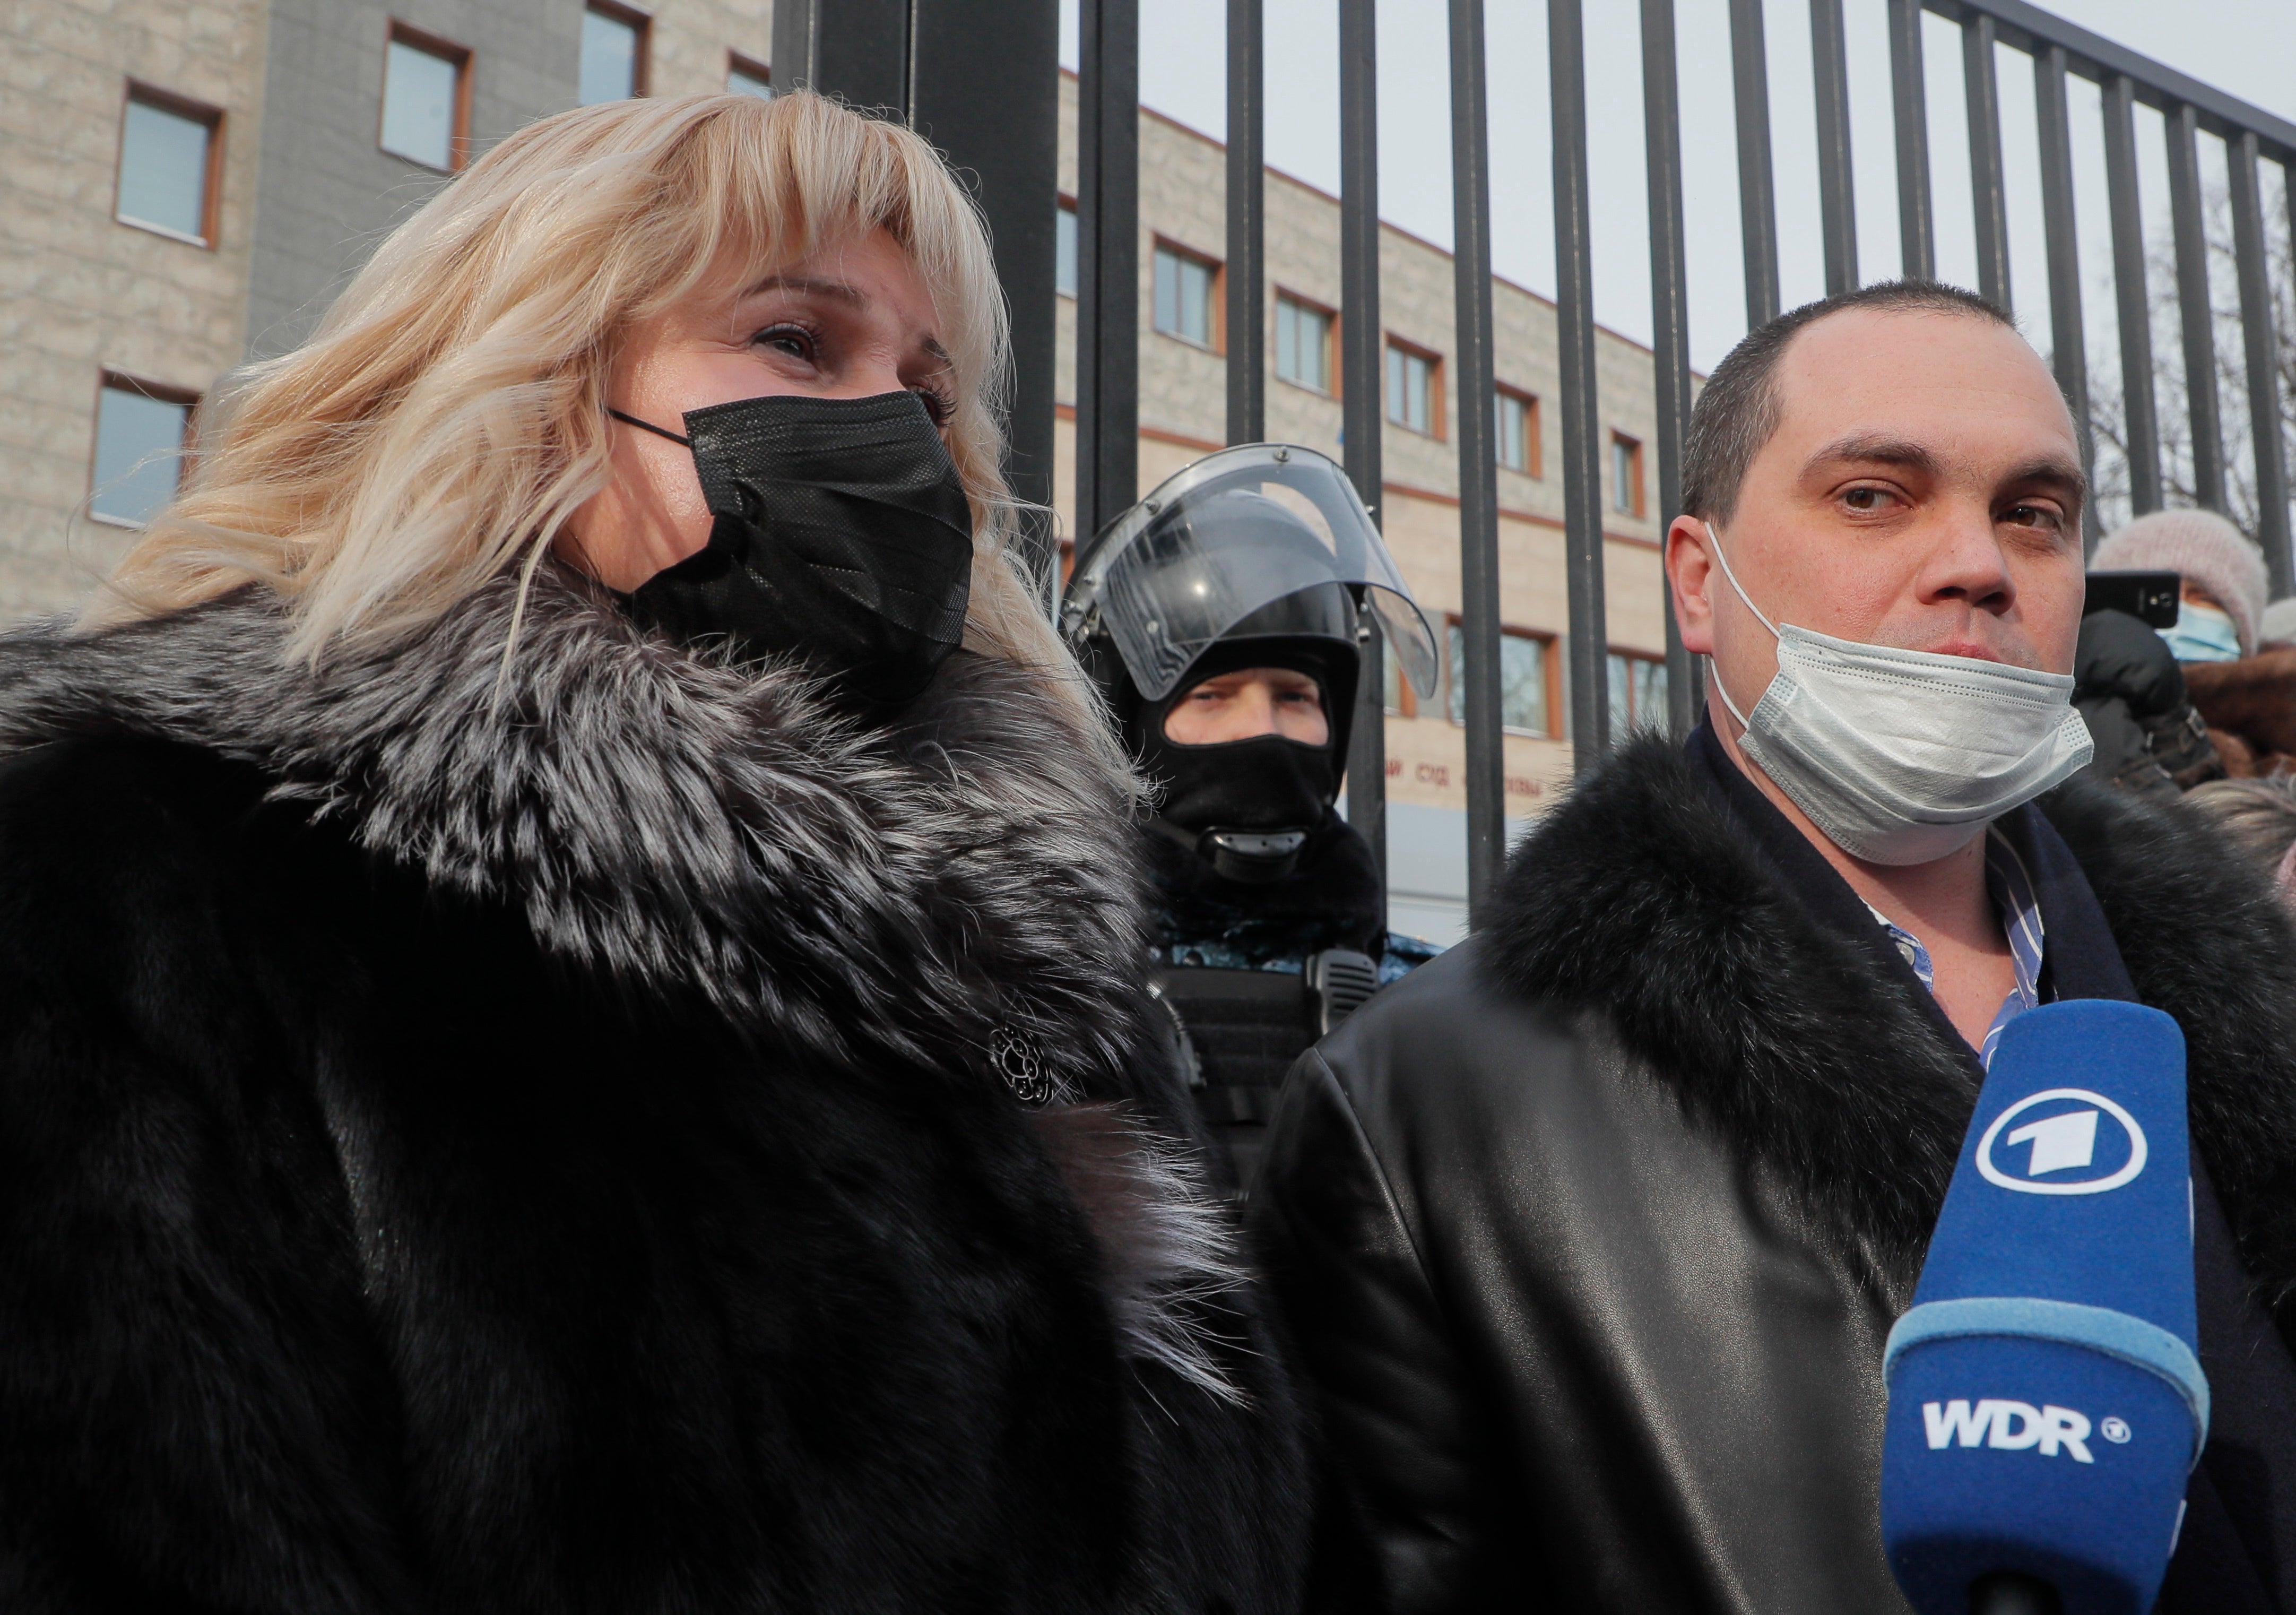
(183, 1364)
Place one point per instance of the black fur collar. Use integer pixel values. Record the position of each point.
(683, 824)
(1640, 898)
(925, 896)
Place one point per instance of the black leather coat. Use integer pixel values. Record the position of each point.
(1593, 1230)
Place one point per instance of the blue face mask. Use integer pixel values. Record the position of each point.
(2202, 633)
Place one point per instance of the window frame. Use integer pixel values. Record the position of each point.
(458, 139)
(1534, 458)
(1409, 698)
(108, 379)
(149, 95)
(1438, 427)
(1214, 294)
(639, 22)
(1638, 508)
(1550, 669)
(1332, 347)
(748, 67)
(1630, 657)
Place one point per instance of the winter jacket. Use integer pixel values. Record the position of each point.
(588, 1128)
(1593, 1230)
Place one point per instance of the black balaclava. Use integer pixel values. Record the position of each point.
(844, 536)
(1247, 806)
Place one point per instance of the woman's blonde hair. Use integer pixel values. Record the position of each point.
(449, 415)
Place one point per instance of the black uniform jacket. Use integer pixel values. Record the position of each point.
(1591, 1231)
(547, 1122)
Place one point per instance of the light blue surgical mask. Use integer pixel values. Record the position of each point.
(2202, 633)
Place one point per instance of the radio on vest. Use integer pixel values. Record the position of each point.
(2046, 1402)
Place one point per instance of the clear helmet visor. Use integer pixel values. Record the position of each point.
(1236, 531)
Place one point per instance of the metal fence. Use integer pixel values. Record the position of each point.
(1108, 336)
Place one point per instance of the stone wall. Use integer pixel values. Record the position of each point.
(80, 292)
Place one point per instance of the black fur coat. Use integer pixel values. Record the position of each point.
(556, 1141)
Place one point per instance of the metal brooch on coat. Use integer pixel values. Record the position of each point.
(1021, 1064)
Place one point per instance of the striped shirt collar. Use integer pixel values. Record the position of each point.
(2010, 885)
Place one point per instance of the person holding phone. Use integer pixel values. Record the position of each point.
(2137, 635)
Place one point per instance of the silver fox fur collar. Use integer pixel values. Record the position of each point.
(721, 834)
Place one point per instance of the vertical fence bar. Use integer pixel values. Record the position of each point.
(1989, 200)
(1479, 479)
(2068, 338)
(1670, 321)
(1836, 195)
(2140, 423)
(1360, 414)
(2190, 229)
(1108, 262)
(1909, 97)
(1586, 659)
(1758, 209)
(1247, 226)
(2263, 357)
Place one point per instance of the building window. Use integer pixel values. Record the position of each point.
(744, 77)
(1184, 287)
(141, 433)
(1517, 428)
(1303, 344)
(171, 165)
(1638, 692)
(613, 52)
(1064, 248)
(1410, 388)
(1522, 680)
(1626, 475)
(1400, 700)
(426, 100)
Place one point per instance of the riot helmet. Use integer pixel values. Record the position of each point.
(1259, 555)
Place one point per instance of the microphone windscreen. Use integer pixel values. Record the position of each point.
(2046, 1398)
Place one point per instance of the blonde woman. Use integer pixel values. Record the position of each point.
(566, 1034)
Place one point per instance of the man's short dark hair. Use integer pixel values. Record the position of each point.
(1738, 410)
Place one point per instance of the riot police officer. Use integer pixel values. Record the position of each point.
(1225, 618)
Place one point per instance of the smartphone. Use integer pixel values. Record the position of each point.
(2150, 597)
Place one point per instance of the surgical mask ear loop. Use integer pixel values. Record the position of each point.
(1714, 540)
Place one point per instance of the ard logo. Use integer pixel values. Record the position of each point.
(2062, 1141)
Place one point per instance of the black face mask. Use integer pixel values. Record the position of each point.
(1246, 806)
(843, 538)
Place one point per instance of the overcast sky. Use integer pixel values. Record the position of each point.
(2247, 47)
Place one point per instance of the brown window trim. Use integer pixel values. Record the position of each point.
(1534, 454)
(642, 68)
(458, 143)
(1334, 349)
(108, 379)
(1655, 658)
(211, 183)
(1635, 465)
(747, 66)
(1438, 422)
(1217, 316)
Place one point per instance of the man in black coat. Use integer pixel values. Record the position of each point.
(1591, 1231)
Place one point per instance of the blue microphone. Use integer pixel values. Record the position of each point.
(2046, 1402)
